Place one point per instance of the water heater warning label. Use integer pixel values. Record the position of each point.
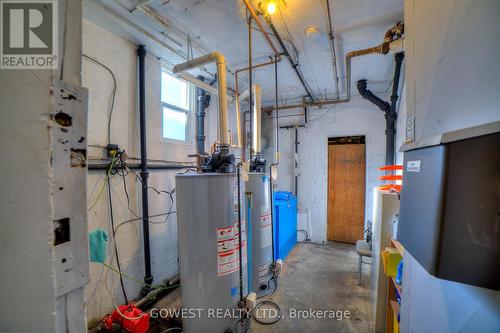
(266, 231)
(228, 249)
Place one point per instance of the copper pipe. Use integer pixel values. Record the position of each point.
(261, 27)
(256, 66)
(380, 49)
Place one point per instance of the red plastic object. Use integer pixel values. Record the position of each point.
(391, 187)
(391, 177)
(391, 167)
(131, 319)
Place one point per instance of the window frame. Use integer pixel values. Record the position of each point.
(189, 112)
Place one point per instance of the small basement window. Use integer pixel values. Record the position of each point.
(175, 99)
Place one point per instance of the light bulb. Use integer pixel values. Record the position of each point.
(271, 7)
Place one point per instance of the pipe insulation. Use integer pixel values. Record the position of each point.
(220, 61)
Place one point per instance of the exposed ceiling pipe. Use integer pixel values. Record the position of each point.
(261, 27)
(202, 85)
(295, 65)
(220, 61)
(332, 46)
(394, 45)
(198, 83)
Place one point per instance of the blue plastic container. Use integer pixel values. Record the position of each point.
(285, 224)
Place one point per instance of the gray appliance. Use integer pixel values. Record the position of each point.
(449, 218)
(207, 215)
(260, 235)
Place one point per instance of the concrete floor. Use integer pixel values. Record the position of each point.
(322, 277)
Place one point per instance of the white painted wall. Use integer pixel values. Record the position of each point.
(359, 117)
(452, 83)
(452, 63)
(120, 55)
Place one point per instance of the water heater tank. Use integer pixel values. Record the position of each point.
(260, 235)
(207, 215)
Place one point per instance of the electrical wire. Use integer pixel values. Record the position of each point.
(171, 329)
(113, 93)
(123, 169)
(119, 166)
(137, 280)
(114, 242)
(271, 303)
(65, 29)
(103, 186)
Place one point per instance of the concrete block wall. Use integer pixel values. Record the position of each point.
(358, 117)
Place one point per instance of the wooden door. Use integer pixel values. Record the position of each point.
(346, 192)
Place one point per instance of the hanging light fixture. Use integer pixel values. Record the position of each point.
(271, 7)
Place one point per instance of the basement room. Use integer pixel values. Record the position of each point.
(250, 166)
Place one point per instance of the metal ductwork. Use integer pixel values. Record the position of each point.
(218, 58)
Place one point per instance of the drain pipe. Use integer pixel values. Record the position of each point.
(202, 102)
(148, 278)
(388, 108)
(391, 131)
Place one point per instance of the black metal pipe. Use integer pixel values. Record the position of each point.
(367, 94)
(294, 64)
(388, 108)
(389, 123)
(203, 101)
(391, 118)
(148, 278)
(137, 166)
